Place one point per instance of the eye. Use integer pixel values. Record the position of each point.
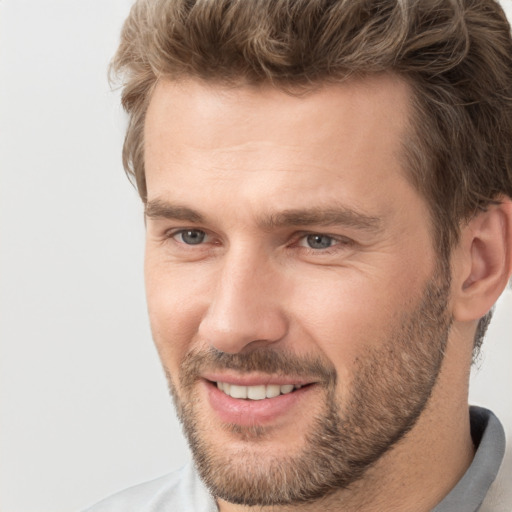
(190, 236)
(318, 241)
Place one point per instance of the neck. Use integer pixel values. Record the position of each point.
(416, 474)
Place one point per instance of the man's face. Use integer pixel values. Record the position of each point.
(294, 294)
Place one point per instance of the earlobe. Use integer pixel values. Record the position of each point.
(484, 261)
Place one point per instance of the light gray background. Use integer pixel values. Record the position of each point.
(84, 405)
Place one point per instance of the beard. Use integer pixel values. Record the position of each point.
(390, 387)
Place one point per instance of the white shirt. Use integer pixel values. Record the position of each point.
(484, 481)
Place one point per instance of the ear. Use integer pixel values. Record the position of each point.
(482, 262)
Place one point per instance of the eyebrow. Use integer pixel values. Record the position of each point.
(324, 217)
(337, 216)
(157, 208)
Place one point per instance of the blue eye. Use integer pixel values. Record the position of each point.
(191, 236)
(318, 241)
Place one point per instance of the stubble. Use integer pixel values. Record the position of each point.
(391, 385)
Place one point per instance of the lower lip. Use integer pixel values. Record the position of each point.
(253, 412)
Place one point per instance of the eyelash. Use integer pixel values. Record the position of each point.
(337, 242)
(175, 234)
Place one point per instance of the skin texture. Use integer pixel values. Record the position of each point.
(366, 322)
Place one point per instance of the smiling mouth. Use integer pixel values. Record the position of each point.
(259, 392)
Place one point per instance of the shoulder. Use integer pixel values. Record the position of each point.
(180, 490)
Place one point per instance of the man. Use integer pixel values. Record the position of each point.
(327, 194)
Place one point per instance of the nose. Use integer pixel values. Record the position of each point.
(244, 310)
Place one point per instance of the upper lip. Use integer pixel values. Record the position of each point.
(256, 379)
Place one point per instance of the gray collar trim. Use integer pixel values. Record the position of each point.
(489, 438)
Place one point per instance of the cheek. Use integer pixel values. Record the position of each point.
(345, 316)
(175, 302)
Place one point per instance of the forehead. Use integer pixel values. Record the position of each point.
(343, 108)
(242, 139)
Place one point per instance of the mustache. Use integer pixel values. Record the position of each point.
(264, 360)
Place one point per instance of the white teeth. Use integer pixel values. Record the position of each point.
(256, 392)
(272, 391)
(238, 391)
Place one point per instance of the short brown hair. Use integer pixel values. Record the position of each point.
(455, 54)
